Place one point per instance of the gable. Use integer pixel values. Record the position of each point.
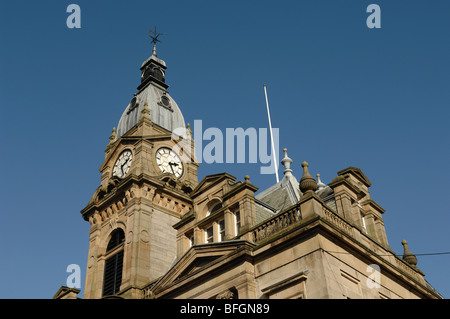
(197, 264)
(210, 181)
(358, 173)
(66, 293)
(201, 260)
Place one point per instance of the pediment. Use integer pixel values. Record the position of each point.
(116, 148)
(197, 264)
(132, 137)
(200, 260)
(210, 181)
(66, 293)
(358, 173)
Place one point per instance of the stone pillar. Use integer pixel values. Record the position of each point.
(370, 226)
(356, 216)
(381, 231)
(247, 290)
(229, 225)
(183, 244)
(310, 206)
(216, 236)
(198, 238)
(92, 264)
(344, 205)
(248, 218)
(376, 211)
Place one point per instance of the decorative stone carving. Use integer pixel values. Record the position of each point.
(408, 256)
(145, 236)
(307, 182)
(148, 294)
(226, 295)
(113, 221)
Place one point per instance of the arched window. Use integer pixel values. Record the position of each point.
(114, 264)
(117, 237)
(214, 206)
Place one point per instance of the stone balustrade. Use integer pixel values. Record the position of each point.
(276, 223)
(337, 221)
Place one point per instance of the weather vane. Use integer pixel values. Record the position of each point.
(154, 35)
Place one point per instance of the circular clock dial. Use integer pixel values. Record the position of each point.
(123, 164)
(169, 162)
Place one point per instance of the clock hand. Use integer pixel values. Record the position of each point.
(171, 166)
(121, 167)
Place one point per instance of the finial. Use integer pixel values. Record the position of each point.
(320, 185)
(286, 162)
(145, 112)
(112, 137)
(307, 182)
(247, 178)
(408, 256)
(188, 128)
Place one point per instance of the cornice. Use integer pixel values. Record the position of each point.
(125, 185)
(358, 173)
(374, 204)
(341, 180)
(190, 216)
(238, 188)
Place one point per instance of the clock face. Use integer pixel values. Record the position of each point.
(169, 162)
(123, 164)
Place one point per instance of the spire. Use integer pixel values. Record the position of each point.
(153, 69)
(307, 182)
(286, 162)
(408, 256)
(320, 185)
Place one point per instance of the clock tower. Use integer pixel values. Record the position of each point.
(146, 178)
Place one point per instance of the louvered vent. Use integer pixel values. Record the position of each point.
(113, 265)
(113, 274)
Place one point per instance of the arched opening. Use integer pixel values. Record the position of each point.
(213, 206)
(114, 263)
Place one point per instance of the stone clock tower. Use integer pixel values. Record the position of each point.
(146, 178)
(157, 233)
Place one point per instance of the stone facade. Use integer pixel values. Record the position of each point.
(306, 251)
(216, 239)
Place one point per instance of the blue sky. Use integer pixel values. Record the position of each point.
(340, 93)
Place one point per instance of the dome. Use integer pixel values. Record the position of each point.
(164, 111)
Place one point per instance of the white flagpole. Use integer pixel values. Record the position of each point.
(271, 136)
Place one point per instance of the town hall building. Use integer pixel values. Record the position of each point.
(158, 232)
